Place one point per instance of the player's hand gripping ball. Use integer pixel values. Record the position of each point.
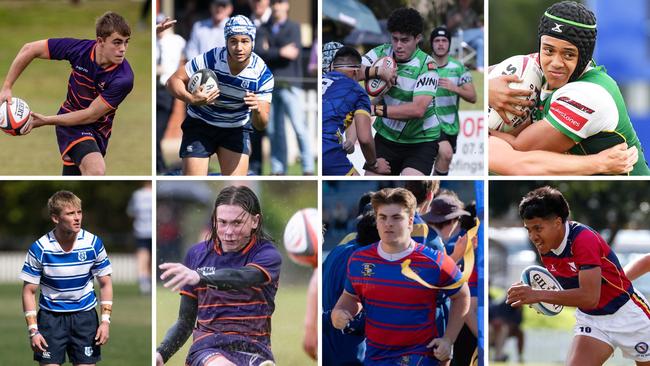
(15, 117)
(376, 87)
(540, 278)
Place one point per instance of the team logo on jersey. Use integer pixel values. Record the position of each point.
(101, 85)
(88, 351)
(367, 269)
(641, 347)
(82, 256)
(405, 360)
(557, 28)
(573, 266)
(245, 84)
(552, 269)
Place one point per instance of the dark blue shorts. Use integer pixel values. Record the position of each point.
(336, 162)
(68, 333)
(236, 349)
(201, 140)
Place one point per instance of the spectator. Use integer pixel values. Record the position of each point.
(139, 208)
(464, 22)
(260, 12)
(208, 33)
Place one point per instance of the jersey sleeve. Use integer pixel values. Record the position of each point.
(269, 261)
(33, 266)
(362, 101)
(190, 290)
(427, 81)
(581, 109)
(369, 58)
(449, 274)
(195, 64)
(348, 278)
(64, 48)
(266, 84)
(117, 91)
(102, 265)
(586, 250)
(465, 77)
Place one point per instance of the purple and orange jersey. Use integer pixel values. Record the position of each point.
(400, 313)
(237, 316)
(88, 81)
(582, 249)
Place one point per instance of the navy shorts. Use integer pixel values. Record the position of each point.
(236, 349)
(418, 156)
(201, 140)
(68, 333)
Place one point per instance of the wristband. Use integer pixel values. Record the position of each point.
(106, 318)
(32, 334)
(30, 318)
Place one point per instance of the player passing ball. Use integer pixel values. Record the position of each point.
(611, 313)
(220, 120)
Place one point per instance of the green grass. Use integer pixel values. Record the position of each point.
(532, 320)
(287, 326)
(43, 85)
(130, 331)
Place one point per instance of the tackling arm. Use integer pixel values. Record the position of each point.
(180, 331)
(30, 51)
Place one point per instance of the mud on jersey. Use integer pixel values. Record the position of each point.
(414, 77)
(447, 101)
(591, 111)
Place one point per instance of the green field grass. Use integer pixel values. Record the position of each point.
(287, 327)
(130, 331)
(43, 85)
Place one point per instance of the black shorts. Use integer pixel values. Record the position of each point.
(201, 140)
(451, 138)
(68, 333)
(418, 156)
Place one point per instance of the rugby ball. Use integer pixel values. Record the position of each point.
(528, 69)
(14, 116)
(301, 237)
(377, 87)
(540, 278)
(204, 77)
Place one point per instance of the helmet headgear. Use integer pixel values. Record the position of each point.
(239, 24)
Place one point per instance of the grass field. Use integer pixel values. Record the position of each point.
(287, 327)
(43, 84)
(130, 332)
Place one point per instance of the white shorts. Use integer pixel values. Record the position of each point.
(627, 329)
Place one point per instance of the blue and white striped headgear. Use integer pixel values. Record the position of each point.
(239, 24)
(329, 51)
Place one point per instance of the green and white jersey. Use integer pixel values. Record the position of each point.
(591, 111)
(415, 77)
(447, 101)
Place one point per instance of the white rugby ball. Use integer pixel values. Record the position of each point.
(302, 236)
(540, 278)
(14, 116)
(377, 87)
(204, 77)
(528, 69)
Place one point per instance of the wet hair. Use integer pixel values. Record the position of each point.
(112, 22)
(574, 23)
(405, 20)
(422, 189)
(346, 54)
(60, 199)
(245, 198)
(545, 202)
(399, 196)
(367, 229)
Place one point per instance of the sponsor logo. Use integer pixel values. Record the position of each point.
(575, 104)
(77, 67)
(552, 269)
(20, 110)
(431, 66)
(101, 85)
(557, 28)
(81, 256)
(88, 351)
(543, 284)
(367, 269)
(427, 81)
(190, 148)
(568, 117)
(46, 354)
(641, 347)
(573, 266)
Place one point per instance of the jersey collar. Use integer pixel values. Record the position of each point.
(562, 246)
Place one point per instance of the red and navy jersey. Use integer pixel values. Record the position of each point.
(237, 315)
(582, 249)
(400, 313)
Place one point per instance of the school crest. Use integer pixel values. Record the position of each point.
(245, 84)
(641, 347)
(405, 360)
(88, 351)
(81, 256)
(367, 269)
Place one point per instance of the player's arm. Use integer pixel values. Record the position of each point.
(367, 143)
(350, 138)
(465, 91)
(29, 51)
(585, 296)
(345, 309)
(457, 313)
(94, 112)
(106, 305)
(177, 87)
(540, 135)
(223, 279)
(38, 343)
(310, 341)
(373, 72)
(259, 110)
(504, 160)
(180, 331)
(638, 268)
(503, 99)
(416, 109)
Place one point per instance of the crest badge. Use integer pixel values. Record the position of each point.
(82, 256)
(367, 269)
(88, 351)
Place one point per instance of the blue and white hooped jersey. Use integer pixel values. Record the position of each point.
(229, 110)
(66, 278)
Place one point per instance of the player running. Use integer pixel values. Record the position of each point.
(400, 313)
(227, 285)
(611, 313)
(64, 263)
(100, 80)
(345, 105)
(581, 108)
(219, 122)
(406, 124)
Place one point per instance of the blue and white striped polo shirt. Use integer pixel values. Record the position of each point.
(229, 110)
(66, 278)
